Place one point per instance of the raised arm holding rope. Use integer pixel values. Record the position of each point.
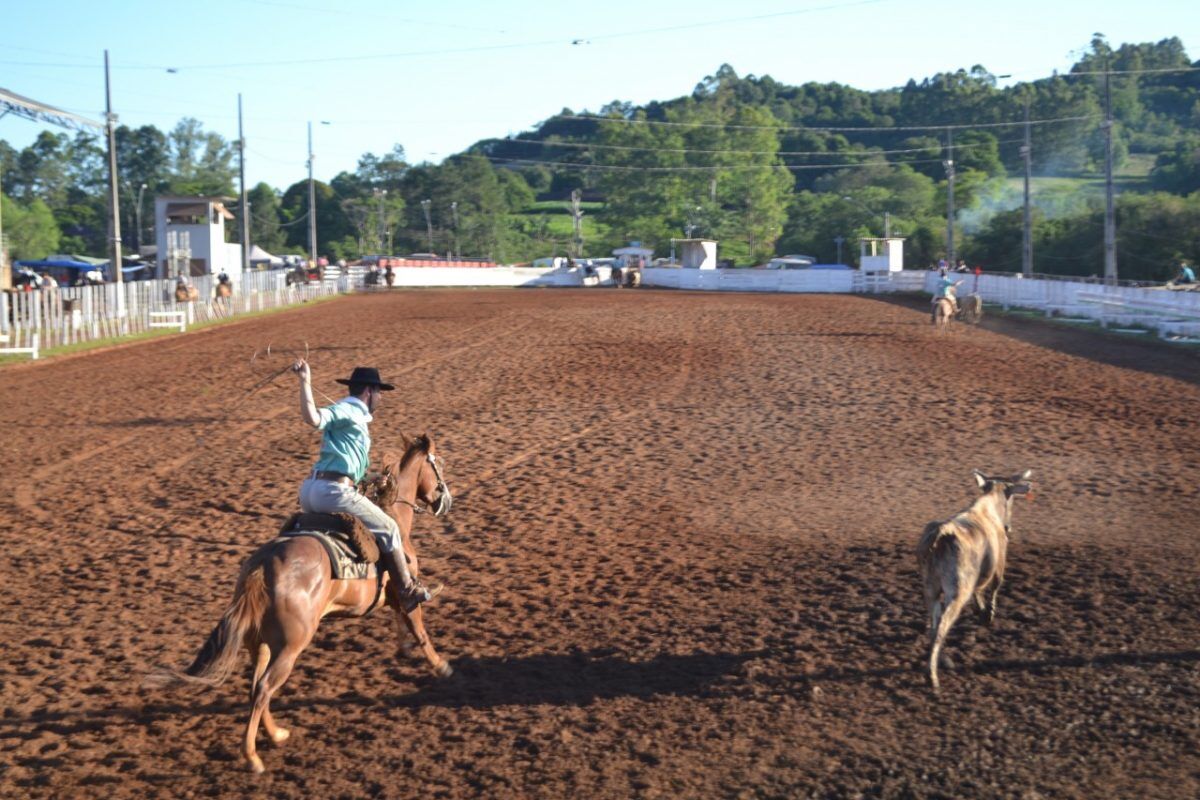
(345, 447)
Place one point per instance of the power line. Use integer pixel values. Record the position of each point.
(818, 129)
(1130, 71)
(711, 168)
(839, 153)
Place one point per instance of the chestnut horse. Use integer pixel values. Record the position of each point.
(285, 588)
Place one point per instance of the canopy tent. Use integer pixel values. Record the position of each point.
(260, 256)
(65, 265)
(58, 262)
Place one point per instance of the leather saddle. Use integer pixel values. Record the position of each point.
(352, 549)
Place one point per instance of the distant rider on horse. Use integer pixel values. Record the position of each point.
(946, 289)
(332, 486)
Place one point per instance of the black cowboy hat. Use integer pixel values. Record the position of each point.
(367, 376)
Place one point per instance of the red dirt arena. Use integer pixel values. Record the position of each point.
(680, 561)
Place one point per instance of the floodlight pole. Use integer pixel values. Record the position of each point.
(949, 165)
(110, 120)
(1110, 219)
(244, 209)
(312, 203)
(3, 261)
(1027, 238)
(425, 204)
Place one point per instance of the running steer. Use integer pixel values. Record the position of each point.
(963, 557)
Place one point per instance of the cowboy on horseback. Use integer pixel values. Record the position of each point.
(332, 485)
(945, 289)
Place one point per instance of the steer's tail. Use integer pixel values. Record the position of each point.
(219, 655)
(933, 538)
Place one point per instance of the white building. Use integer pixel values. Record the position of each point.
(202, 219)
(881, 255)
(696, 253)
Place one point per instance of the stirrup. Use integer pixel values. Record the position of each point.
(417, 594)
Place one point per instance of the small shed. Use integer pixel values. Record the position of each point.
(696, 253)
(881, 255)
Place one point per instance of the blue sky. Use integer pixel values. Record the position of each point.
(436, 77)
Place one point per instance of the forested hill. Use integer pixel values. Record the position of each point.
(885, 151)
(762, 166)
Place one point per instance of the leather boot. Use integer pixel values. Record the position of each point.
(410, 595)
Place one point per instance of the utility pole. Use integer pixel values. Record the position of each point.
(454, 216)
(838, 240)
(1027, 239)
(312, 202)
(949, 165)
(137, 215)
(577, 219)
(110, 120)
(244, 205)
(1110, 219)
(382, 195)
(712, 189)
(3, 259)
(425, 204)
(887, 224)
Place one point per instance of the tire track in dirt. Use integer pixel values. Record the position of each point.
(25, 497)
(678, 384)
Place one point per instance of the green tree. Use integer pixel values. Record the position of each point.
(29, 231)
(335, 233)
(265, 210)
(202, 162)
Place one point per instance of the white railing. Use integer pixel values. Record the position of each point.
(751, 280)
(1168, 312)
(70, 315)
(48, 318)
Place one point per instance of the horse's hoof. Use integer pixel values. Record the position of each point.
(281, 735)
(256, 765)
(443, 670)
(944, 662)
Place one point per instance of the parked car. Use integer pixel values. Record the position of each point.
(791, 262)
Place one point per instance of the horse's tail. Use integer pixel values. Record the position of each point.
(218, 656)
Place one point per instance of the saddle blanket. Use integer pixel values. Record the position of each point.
(351, 548)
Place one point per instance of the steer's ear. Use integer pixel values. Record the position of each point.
(980, 478)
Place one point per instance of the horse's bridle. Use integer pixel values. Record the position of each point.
(445, 500)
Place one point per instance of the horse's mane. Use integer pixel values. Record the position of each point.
(382, 488)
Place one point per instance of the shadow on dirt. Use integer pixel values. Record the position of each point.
(574, 679)
(1150, 355)
(998, 666)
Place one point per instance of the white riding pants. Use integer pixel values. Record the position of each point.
(328, 497)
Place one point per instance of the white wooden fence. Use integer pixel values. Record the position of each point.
(31, 321)
(65, 316)
(1170, 313)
